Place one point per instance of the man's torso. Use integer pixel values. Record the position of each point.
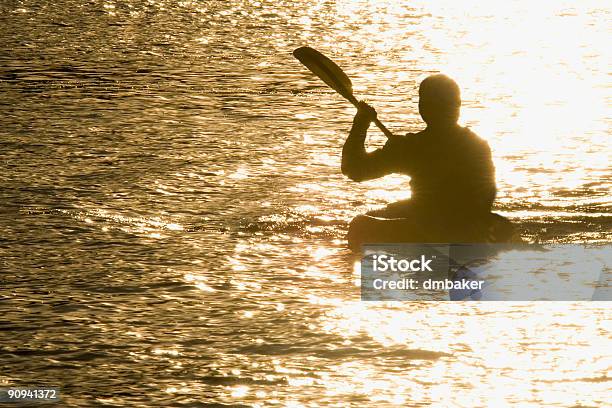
(450, 171)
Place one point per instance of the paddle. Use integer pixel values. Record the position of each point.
(333, 76)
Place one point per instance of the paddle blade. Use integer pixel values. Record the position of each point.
(327, 70)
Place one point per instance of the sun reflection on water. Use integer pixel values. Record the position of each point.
(183, 214)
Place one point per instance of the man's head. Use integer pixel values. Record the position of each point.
(439, 100)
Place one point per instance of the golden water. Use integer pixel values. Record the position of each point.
(173, 212)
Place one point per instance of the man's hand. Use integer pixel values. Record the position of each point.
(365, 113)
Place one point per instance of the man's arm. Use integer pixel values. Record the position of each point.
(357, 164)
(481, 180)
(489, 186)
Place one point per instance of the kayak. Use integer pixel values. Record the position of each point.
(491, 229)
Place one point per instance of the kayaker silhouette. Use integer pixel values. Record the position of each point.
(452, 176)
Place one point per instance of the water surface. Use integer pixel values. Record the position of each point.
(173, 212)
